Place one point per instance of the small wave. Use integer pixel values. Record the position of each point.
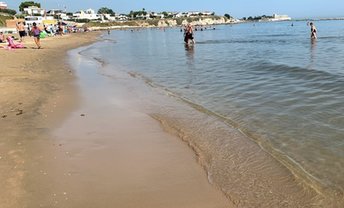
(101, 61)
(331, 37)
(294, 167)
(108, 40)
(85, 53)
(241, 41)
(317, 78)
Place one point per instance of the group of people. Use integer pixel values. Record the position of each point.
(34, 31)
(189, 39)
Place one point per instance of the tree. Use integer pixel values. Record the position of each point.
(143, 11)
(228, 16)
(27, 4)
(105, 10)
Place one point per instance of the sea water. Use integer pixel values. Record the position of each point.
(269, 81)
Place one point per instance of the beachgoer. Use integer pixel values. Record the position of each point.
(12, 44)
(36, 34)
(188, 34)
(2, 37)
(60, 29)
(21, 30)
(313, 31)
(108, 30)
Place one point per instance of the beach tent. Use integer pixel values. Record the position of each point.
(50, 22)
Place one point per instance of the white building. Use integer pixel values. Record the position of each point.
(89, 14)
(59, 13)
(29, 20)
(3, 5)
(157, 15)
(277, 17)
(33, 10)
(121, 17)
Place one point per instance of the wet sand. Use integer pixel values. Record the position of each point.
(63, 148)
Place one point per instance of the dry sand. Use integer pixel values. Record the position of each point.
(113, 156)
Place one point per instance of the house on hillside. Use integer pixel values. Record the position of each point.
(157, 15)
(89, 14)
(143, 16)
(3, 5)
(53, 12)
(58, 13)
(121, 17)
(179, 14)
(196, 13)
(34, 11)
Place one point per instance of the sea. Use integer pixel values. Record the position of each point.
(261, 104)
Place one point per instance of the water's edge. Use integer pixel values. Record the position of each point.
(298, 188)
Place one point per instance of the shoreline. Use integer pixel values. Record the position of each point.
(70, 134)
(36, 96)
(180, 126)
(45, 168)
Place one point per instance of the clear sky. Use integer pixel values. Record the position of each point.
(236, 8)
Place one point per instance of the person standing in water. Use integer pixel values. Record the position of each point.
(36, 34)
(188, 34)
(313, 31)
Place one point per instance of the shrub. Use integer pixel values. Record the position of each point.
(3, 20)
(8, 11)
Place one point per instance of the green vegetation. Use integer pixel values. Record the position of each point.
(134, 14)
(228, 16)
(109, 24)
(105, 10)
(179, 21)
(3, 20)
(27, 4)
(8, 11)
(257, 18)
(190, 19)
(154, 22)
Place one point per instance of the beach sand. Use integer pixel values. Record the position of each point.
(62, 149)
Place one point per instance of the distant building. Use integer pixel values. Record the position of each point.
(192, 14)
(143, 16)
(59, 14)
(89, 14)
(197, 13)
(121, 17)
(276, 17)
(29, 20)
(157, 15)
(33, 11)
(53, 12)
(3, 5)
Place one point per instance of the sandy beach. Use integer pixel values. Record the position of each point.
(59, 148)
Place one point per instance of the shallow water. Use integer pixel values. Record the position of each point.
(268, 80)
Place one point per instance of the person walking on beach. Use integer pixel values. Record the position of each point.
(21, 30)
(313, 31)
(36, 34)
